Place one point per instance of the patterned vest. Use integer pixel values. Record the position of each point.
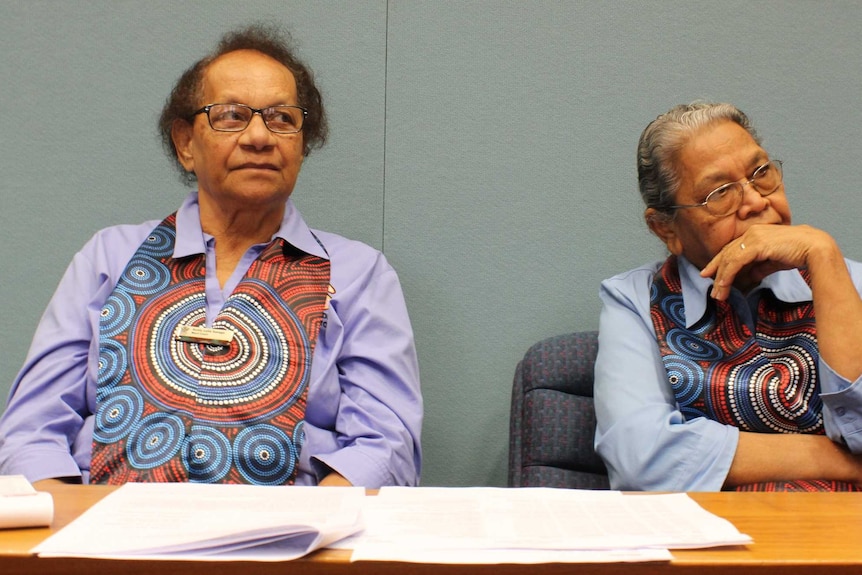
(764, 381)
(172, 409)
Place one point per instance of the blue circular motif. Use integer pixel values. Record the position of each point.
(160, 243)
(175, 364)
(261, 360)
(145, 276)
(117, 414)
(687, 380)
(208, 456)
(113, 361)
(674, 308)
(684, 344)
(155, 440)
(264, 455)
(117, 313)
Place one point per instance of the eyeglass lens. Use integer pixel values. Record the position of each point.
(236, 117)
(727, 198)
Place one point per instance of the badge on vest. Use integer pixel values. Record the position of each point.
(210, 335)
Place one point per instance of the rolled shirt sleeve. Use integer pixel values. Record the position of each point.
(46, 429)
(366, 365)
(842, 413)
(842, 398)
(641, 435)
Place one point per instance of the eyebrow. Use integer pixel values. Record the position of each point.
(719, 179)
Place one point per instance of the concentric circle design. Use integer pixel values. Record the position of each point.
(255, 369)
(113, 363)
(208, 456)
(155, 440)
(175, 410)
(117, 414)
(264, 455)
(145, 276)
(259, 359)
(160, 243)
(674, 308)
(687, 380)
(683, 343)
(117, 314)
(172, 367)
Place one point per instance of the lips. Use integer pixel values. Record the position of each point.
(257, 166)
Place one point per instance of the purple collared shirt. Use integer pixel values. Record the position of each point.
(364, 412)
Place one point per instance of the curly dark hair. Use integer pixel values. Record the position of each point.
(266, 39)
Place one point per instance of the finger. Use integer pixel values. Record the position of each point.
(725, 267)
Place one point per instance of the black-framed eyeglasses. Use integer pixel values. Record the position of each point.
(726, 199)
(237, 117)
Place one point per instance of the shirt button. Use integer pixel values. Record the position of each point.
(840, 411)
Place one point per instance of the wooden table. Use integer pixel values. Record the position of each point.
(794, 533)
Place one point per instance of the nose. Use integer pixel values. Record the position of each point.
(752, 201)
(256, 134)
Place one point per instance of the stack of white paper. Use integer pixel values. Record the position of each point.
(209, 522)
(23, 506)
(428, 525)
(498, 525)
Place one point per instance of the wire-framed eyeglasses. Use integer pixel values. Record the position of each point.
(237, 117)
(726, 199)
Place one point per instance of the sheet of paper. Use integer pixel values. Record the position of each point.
(442, 523)
(23, 506)
(210, 522)
(521, 556)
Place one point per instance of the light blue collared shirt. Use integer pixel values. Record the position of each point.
(641, 434)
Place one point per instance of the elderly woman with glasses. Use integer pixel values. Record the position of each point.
(227, 342)
(734, 363)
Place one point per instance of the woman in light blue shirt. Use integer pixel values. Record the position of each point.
(735, 363)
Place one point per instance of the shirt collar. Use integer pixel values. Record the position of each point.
(787, 285)
(191, 240)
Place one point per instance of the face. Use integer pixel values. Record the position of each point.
(252, 168)
(715, 155)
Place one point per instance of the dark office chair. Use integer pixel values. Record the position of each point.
(553, 421)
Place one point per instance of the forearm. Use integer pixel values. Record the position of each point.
(44, 484)
(641, 434)
(764, 457)
(838, 309)
(335, 479)
(837, 304)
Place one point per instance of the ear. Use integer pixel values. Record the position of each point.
(664, 226)
(181, 134)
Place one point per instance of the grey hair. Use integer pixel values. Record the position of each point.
(663, 139)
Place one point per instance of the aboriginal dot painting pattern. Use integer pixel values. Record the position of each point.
(762, 381)
(170, 410)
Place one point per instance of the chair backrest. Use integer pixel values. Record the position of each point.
(553, 421)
